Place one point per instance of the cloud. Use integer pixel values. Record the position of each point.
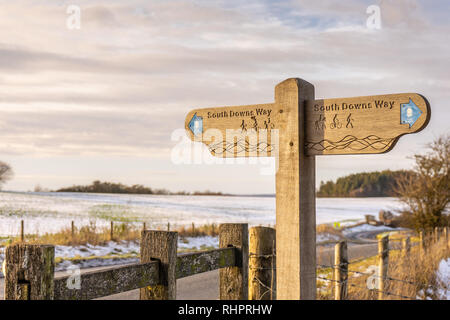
(88, 132)
(100, 16)
(124, 81)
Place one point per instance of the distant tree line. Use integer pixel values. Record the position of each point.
(110, 187)
(366, 184)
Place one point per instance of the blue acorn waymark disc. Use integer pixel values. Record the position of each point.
(409, 113)
(196, 125)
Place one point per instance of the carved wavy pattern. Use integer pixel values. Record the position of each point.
(239, 147)
(353, 143)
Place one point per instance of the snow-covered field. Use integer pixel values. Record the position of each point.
(50, 212)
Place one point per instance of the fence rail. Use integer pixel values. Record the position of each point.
(198, 262)
(97, 284)
(107, 282)
(29, 269)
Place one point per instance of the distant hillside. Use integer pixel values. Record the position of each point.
(371, 184)
(109, 187)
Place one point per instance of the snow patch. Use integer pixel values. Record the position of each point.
(322, 237)
(51, 212)
(443, 279)
(366, 228)
(198, 242)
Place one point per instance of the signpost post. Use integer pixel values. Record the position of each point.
(294, 129)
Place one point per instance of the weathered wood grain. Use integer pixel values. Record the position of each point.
(261, 264)
(358, 125)
(238, 131)
(295, 197)
(198, 262)
(29, 272)
(23, 291)
(160, 246)
(107, 282)
(234, 280)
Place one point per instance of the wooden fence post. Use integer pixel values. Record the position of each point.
(29, 272)
(406, 247)
(161, 246)
(383, 262)
(22, 231)
(111, 234)
(261, 270)
(143, 226)
(168, 226)
(295, 196)
(234, 280)
(340, 270)
(72, 227)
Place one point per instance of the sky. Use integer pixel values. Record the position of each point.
(108, 100)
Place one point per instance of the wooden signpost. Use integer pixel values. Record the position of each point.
(294, 129)
(363, 124)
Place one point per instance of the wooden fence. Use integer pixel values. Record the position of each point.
(29, 268)
(341, 264)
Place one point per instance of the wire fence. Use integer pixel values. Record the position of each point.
(388, 281)
(365, 288)
(268, 269)
(406, 286)
(374, 275)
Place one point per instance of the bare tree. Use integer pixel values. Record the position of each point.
(6, 172)
(426, 192)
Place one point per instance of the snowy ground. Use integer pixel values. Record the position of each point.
(322, 237)
(366, 228)
(51, 212)
(442, 290)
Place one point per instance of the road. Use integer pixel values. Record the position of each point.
(205, 286)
